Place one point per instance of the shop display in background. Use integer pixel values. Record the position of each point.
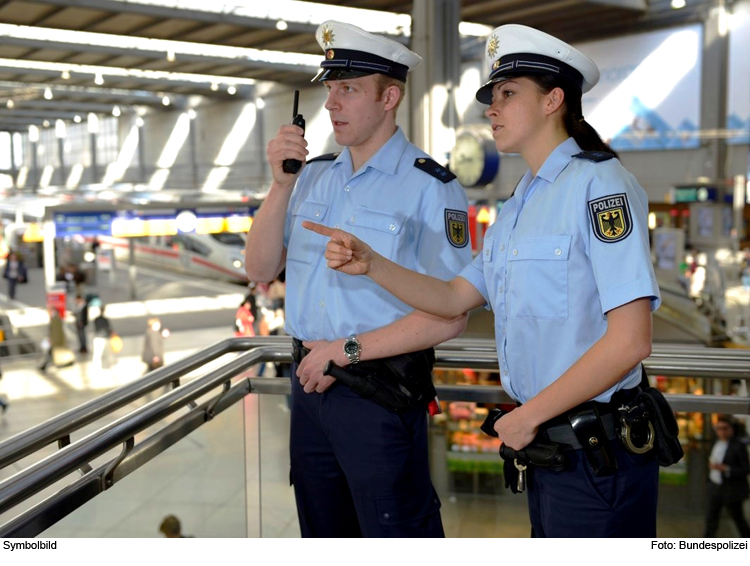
(473, 460)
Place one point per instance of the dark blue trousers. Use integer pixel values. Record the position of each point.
(576, 503)
(359, 469)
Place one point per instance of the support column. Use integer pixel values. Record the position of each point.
(94, 165)
(714, 84)
(434, 30)
(35, 165)
(61, 155)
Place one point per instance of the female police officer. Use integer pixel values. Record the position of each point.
(567, 271)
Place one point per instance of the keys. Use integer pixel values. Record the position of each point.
(521, 485)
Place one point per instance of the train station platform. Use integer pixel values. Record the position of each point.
(201, 479)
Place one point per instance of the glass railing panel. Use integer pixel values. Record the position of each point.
(200, 480)
(278, 510)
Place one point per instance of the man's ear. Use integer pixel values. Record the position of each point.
(391, 96)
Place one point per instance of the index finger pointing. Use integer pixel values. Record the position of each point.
(321, 229)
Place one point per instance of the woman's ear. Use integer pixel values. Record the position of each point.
(555, 99)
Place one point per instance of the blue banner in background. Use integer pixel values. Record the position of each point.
(648, 96)
(738, 92)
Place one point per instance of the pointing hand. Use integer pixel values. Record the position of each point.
(344, 252)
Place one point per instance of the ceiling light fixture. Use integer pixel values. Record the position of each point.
(165, 100)
(77, 119)
(48, 93)
(10, 103)
(98, 79)
(116, 111)
(281, 25)
(677, 4)
(231, 89)
(170, 56)
(65, 75)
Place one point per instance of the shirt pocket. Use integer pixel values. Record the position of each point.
(380, 229)
(538, 277)
(306, 246)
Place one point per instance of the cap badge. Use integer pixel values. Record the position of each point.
(492, 46)
(495, 65)
(328, 36)
(330, 54)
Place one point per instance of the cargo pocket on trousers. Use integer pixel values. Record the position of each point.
(410, 515)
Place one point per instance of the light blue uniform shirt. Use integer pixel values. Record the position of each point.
(389, 203)
(550, 274)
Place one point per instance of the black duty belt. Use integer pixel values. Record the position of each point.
(298, 350)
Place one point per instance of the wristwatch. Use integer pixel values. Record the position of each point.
(352, 349)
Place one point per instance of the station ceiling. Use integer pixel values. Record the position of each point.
(52, 50)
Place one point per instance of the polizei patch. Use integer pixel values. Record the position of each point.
(610, 218)
(457, 227)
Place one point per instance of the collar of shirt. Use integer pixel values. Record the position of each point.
(555, 163)
(385, 159)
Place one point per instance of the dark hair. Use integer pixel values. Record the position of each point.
(579, 129)
(726, 419)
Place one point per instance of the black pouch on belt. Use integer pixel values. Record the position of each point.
(668, 448)
(588, 428)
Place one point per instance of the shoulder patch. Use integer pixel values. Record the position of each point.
(325, 157)
(610, 218)
(433, 168)
(595, 156)
(457, 227)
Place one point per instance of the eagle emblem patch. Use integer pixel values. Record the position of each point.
(457, 227)
(610, 218)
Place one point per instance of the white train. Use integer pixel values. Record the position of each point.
(215, 256)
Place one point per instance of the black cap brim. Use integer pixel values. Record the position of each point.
(333, 74)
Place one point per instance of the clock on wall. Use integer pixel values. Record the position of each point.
(474, 159)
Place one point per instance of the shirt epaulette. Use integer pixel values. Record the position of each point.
(433, 168)
(325, 157)
(595, 156)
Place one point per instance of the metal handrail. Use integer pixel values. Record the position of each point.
(30, 481)
(664, 360)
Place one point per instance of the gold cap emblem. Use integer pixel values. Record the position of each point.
(492, 46)
(330, 54)
(495, 65)
(328, 36)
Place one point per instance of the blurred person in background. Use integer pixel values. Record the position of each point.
(103, 356)
(55, 345)
(171, 528)
(153, 344)
(3, 402)
(81, 313)
(14, 273)
(727, 478)
(244, 319)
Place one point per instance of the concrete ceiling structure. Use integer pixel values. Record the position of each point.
(89, 55)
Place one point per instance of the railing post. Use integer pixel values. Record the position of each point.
(252, 464)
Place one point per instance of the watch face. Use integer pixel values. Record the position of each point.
(467, 160)
(350, 347)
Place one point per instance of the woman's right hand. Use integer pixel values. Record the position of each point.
(344, 251)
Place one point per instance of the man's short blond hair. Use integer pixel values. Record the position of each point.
(383, 82)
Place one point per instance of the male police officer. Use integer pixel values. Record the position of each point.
(358, 469)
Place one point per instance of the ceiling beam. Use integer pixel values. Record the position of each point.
(156, 49)
(62, 104)
(178, 13)
(122, 96)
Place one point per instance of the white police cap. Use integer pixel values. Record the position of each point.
(353, 52)
(514, 50)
